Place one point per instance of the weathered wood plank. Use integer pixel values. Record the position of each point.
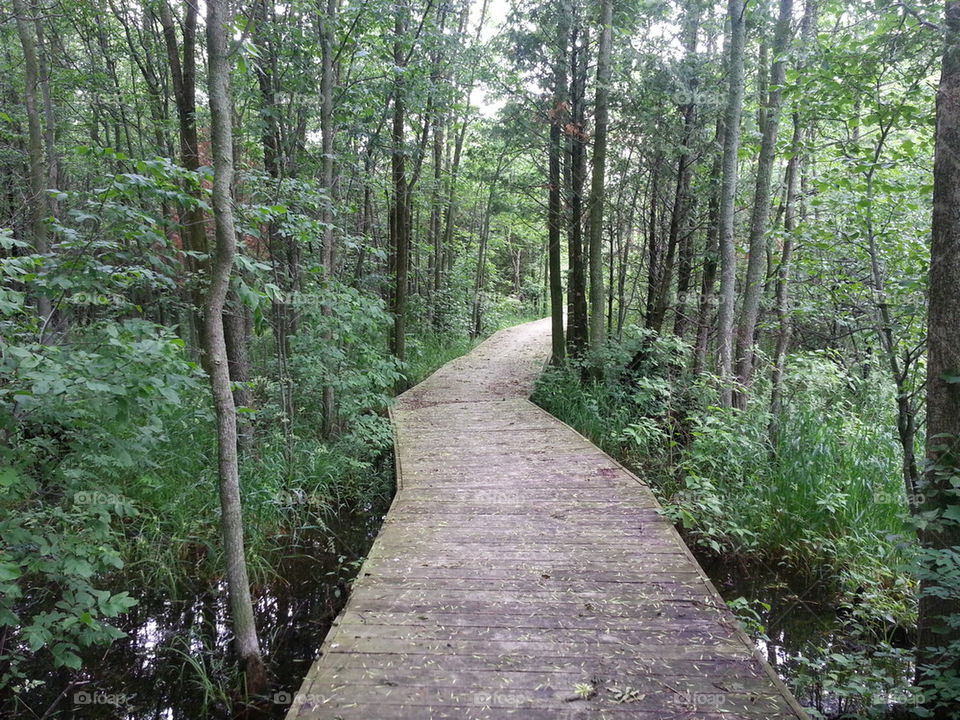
(518, 561)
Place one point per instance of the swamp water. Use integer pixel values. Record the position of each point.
(176, 664)
(835, 667)
(176, 661)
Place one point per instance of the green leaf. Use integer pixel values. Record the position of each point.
(952, 513)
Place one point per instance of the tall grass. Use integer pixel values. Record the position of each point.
(174, 537)
(826, 497)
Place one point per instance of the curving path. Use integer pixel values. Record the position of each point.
(523, 573)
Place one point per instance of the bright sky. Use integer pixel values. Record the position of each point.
(496, 16)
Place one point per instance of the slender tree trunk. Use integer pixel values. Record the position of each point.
(679, 237)
(215, 350)
(327, 131)
(622, 304)
(795, 176)
(598, 179)
(554, 209)
(939, 633)
(236, 329)
(434, 238)
(399, 214)
(450, 211)
(183, 79)
(654, 244)
(782, 300)
(38, 205)
(482, 251)
(728, 196)
(49, 115)
(577, 314)
(753, 289)
(711, 257)
(282, 311)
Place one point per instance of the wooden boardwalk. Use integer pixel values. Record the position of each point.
(523, 573)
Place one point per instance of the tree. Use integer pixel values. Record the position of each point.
(554, 206)
(215, 349)
(598, 178)
(736, 10)
(939, 621)
(327, 130)
(37, 200)
(756, 263)
(578, 333)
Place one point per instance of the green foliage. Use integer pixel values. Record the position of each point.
(72, 417)
(939, 571)
(52, 557)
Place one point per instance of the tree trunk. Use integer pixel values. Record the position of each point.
(237, 325)
(327, 131)
(939, 632)
(783, 281)
(795, 176)
(49, 115)
(577, 315)
(728, 195)
(215, 351)
(399, 212)
(654, 244)
(710, 260)
(38, 205)
(598, 179)
(554, 209)
(679, 237)
(761, 204)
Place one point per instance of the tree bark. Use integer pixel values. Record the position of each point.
(783, 281)
(37, 202)
(399, 212)
(554, 209)
(736, 10)
(327, 132)
(708, 279)
(49, 115)
(679, 238)
(939, 633)
(215, 351)
(577, 314)
(753, 289)
(598, 178)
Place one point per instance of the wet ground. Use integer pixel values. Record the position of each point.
(832, 663)
(176, 664)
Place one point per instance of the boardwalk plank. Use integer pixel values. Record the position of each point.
(518, 561)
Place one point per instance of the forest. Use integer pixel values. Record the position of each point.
(231, 231)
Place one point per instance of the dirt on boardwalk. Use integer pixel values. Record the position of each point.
(523, 573)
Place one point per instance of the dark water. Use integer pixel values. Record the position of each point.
(176, 662)
(834, 663)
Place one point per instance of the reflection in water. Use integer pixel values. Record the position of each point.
(832, 663)
(176, 662)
